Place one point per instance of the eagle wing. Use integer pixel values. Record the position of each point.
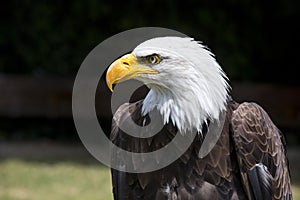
(261, 154)
(132, 185)
(169, 182)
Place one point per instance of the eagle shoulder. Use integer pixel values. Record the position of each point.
(261, 153)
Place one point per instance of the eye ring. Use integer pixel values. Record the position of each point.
(153, 59)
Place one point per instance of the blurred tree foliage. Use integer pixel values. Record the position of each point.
(253, 39)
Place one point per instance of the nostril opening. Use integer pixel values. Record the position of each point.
(125, 63)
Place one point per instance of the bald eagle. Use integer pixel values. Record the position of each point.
(190, 91)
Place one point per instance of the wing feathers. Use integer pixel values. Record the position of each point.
(261, 182)
(261, 153)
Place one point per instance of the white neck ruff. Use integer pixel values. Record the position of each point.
(191, 87)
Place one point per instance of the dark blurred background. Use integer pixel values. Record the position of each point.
(43, 43)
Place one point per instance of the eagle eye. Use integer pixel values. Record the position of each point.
(153, 59)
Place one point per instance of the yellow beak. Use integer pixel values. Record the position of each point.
(125, 68)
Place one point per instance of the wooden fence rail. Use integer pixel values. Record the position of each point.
(51, 97)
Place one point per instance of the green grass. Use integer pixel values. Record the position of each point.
(52, 171)
(296, 192)
(26, 180)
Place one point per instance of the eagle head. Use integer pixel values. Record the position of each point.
(187, 85)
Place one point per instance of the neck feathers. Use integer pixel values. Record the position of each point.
(186, 110)
(191, 103)
(191, 88)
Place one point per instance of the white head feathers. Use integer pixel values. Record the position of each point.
(190, 88)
